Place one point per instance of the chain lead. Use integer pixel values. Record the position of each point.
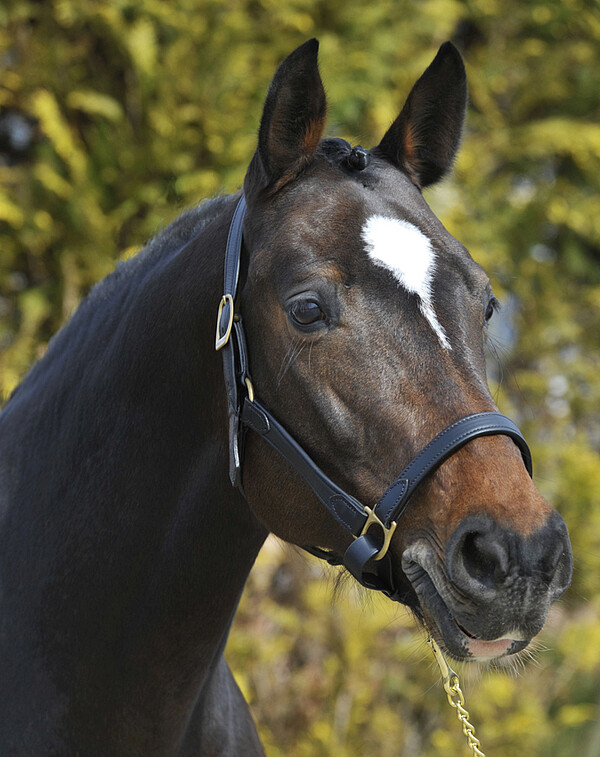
(456, 698)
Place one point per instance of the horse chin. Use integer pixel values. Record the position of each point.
(455, 640)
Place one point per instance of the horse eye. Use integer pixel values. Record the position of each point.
(305, 312)
(492, 306)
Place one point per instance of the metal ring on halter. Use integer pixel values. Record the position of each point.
(387, 532)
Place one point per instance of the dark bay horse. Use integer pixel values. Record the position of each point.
(124, 548)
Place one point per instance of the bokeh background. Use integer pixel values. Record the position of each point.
(115, 115)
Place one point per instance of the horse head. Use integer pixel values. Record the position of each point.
(366, 324)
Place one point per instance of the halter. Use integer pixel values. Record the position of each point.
(370, 545)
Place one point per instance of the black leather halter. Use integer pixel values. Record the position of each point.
(367, 557)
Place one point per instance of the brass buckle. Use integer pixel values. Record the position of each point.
(387, 532)
(221, 341)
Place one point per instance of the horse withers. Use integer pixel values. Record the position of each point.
(124, 548)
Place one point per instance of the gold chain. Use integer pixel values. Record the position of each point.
(456, 698)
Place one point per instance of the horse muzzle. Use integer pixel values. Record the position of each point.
(490, 594)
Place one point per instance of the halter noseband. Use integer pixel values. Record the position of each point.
(245, 411)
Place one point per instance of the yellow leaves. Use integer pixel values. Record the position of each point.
(300, 22)
(561, 135)
(444, 741)
(534, 47)
(55, 126)
(43, 220)
(34, 308)
(383, 113)
(162, 122)
(10, 212)
(52, 181)
(570, 207)
(448, 10)
(242, 146)
(575, 715)
(95, 104)
(579, 642)
(499, 689)
(541, 14)
(142, 45)
(10, 80)
(130, 252)
(198, 184)
(243, 682)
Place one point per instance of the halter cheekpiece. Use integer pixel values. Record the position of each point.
(367, 557)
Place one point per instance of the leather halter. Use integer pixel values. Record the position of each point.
(367, 557)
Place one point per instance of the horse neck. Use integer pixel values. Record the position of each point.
(204, 537)
(147, 545)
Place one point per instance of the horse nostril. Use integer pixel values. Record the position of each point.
(560, 566)
(484, 558)
(480, 556)
(554, 557)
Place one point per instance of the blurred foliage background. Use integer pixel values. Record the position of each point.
(117, 114)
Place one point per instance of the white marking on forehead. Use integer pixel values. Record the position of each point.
(405, 251)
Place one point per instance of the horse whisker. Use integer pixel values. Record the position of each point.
(290, 356)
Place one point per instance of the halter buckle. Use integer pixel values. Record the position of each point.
(372, 518)
(221, 340)
(249, 388)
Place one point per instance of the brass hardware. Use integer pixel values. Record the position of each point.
(456, 698)
(387, 532)
(221, 341)
(250, 389)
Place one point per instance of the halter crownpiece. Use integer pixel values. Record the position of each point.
(370, 546)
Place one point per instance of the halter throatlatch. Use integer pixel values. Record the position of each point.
(367, 557)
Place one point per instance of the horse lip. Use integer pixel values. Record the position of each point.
(437, 617)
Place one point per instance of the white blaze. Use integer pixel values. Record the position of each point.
(405, 251)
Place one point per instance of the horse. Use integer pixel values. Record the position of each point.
(350, 333)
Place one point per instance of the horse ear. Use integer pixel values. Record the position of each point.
(292, 122)
(423, 140)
